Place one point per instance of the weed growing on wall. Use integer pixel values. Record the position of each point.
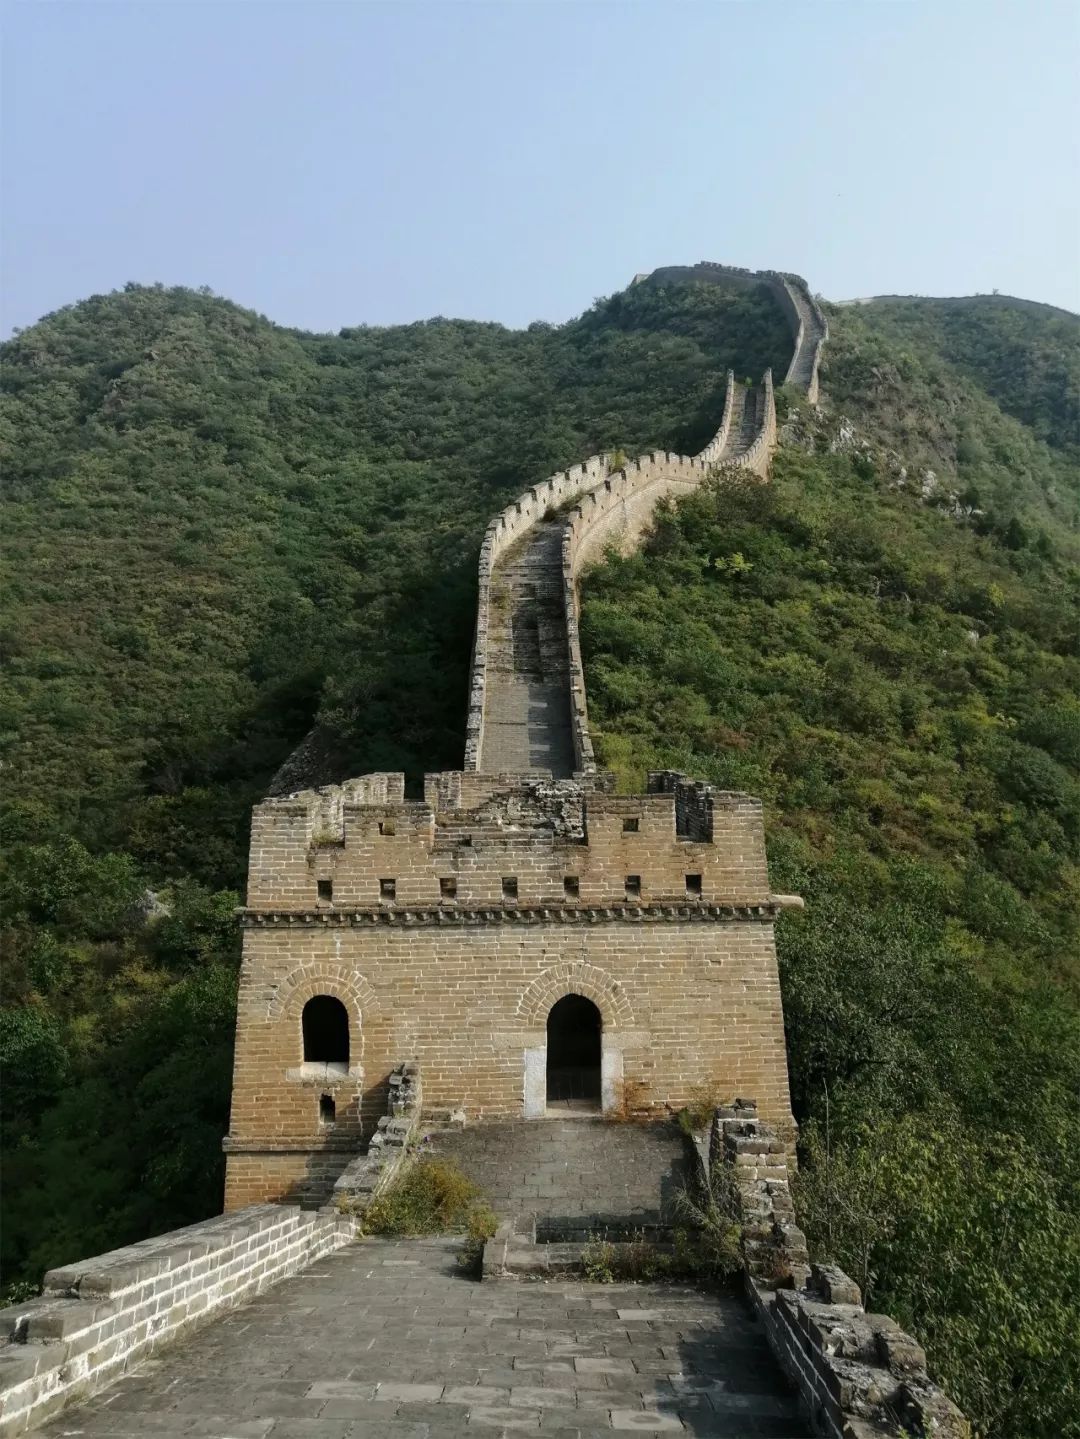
(432, 1196)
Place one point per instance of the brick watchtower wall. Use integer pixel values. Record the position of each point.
(449, 927)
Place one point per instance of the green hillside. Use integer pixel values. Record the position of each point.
(221, 533)
(895, 668)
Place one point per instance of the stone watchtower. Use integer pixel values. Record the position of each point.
(453, 929)
(537, 943)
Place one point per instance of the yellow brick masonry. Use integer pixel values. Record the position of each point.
(686, 984)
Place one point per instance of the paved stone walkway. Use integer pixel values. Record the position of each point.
(527, 691)
(390, 1340)
(587, 1172)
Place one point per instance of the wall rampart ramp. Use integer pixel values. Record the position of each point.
(527, 705)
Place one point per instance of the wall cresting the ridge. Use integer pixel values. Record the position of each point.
(615, 507)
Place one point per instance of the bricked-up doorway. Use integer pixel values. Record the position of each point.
(573, 1054)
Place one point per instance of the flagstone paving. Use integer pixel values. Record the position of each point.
(391, 1340)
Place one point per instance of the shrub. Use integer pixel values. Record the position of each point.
(18, 1292)
(598, 1262)
(431, 1197)
(710, 1246)
(695, 1117)
(480, 1225)
(693, 1255)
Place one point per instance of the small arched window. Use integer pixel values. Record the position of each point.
(325, 1023)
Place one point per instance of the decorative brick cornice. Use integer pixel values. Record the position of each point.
(457, 917)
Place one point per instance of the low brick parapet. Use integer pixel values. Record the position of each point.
(98, 1317)
(858, 1375)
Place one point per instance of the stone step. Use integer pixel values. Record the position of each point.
(582, 1173)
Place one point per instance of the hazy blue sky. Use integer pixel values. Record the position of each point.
(335, 163)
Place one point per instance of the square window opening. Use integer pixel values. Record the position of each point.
(509, 886)
(448, 887)
(571, 886)
(633, 886)
(388, 889)
(386, 826)
(327, 1110)
(324, 889)
(631, 825)
(693, 886)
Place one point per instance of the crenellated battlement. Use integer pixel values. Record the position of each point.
(510, 843)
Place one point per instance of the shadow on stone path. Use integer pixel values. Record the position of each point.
(389, 1340)
(587, 1172)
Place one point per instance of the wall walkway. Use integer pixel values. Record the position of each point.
(97, 1318)
(527, 707)
(389, 1340)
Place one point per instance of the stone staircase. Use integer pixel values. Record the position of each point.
(745, 422)
(801, 371)
(527, 713)
(574, 1177)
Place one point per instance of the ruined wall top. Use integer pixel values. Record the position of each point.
(507, 842)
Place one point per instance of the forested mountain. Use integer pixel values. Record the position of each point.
(221, 533)
(884, 644)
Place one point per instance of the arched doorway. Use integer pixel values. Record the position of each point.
(573, 1054)
(324, 1024)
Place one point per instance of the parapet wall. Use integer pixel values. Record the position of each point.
(618, 511)
(95, 1319)
(800, 288)
(480, 843)
(858, 1375)
(508, 526)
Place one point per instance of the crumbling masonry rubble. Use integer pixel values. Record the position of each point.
(858, 1375)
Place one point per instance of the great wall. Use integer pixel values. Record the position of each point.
(527, 706)
(497, 972)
